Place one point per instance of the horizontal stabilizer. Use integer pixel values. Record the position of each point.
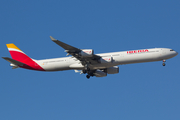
(12, 61)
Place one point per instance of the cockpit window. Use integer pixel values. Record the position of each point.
(171, 50)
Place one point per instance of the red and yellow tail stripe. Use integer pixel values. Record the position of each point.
(19, 55)
(11, 46)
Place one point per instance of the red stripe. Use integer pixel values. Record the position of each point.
(30, 64)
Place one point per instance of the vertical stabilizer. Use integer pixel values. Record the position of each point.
(18, 55)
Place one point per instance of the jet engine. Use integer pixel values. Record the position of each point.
(99, 73)
(87, 53)
(106, 60)
(113, 70)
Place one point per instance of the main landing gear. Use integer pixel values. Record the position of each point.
(88, 71)
(88, 76)
(164, 62)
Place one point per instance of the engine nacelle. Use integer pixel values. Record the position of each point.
(87, 53)
(100, 73)
(113, 70)
(106, 60)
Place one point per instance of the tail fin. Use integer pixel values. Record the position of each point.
(18, 54)
(19, 58)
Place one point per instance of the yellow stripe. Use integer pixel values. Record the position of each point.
(11, 45)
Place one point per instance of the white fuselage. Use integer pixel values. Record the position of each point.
(119, 58)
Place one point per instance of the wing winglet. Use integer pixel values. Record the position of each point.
(53, 39)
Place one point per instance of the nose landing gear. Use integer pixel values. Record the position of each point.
(164, 63)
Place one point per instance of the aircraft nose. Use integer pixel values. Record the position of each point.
(176, 53)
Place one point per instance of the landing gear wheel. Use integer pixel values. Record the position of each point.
(163, 64)
(88, 76)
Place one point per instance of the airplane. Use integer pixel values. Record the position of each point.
(85, 61)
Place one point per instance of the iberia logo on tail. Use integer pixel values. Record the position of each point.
(18, 55)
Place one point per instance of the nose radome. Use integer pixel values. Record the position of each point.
(176, 53)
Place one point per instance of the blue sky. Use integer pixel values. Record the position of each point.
(140, 91)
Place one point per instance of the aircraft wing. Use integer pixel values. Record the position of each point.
(65, 46)
(75, 52)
